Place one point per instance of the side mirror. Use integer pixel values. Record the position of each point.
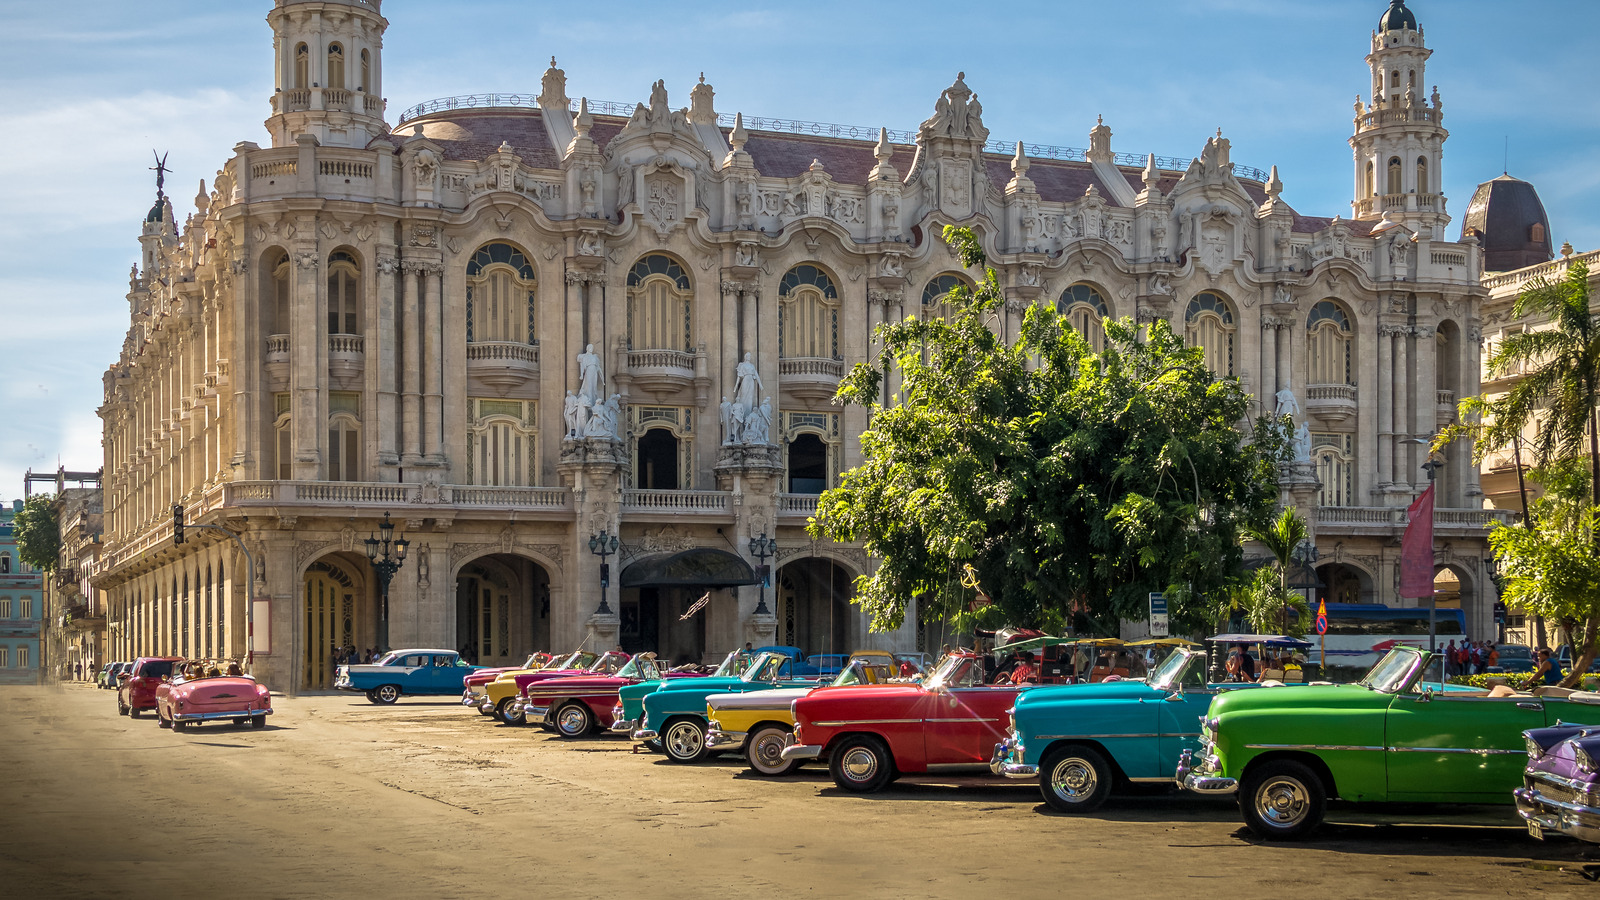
(1427, 696)
(1174, 697)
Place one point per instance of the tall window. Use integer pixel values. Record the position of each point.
(1394, 177)
(808, 314)
(336, 67)
(658, 305)
(344, 294)
(1422, 175)
(5, 657)
(27, 606)
(5, 564)
(280, 296)
(502, 447)
(1334, 455)
(1332, 343)
(302, 67)
(283, 446)
(366, 72)
(344, 436)
(1209, 324)
(5, 607)
(22, 657)
(500, 295)
(935, 295)
(1086, 311)
(1371, 182)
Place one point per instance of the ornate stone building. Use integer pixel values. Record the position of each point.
(519, 322)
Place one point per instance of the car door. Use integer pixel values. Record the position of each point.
(1178, 721)
(1465, 749)
(442, 671)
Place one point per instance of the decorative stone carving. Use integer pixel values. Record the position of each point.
(663, 202)
(425, 168)
(957, 113)
(1287, 404)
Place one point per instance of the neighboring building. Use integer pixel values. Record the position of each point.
(518, 324)
(21, 606)
(73, 629)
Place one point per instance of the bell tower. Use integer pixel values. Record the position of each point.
(328, 57)
(1399, 136)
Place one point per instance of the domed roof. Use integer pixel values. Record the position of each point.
(1509, 221)
(155, 211)
(1397, 17)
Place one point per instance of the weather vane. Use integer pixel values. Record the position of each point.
(161, 170)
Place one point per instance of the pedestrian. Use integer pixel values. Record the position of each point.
(1546, 673)
(1493, 659)
(1241, 665)
(1450, 659)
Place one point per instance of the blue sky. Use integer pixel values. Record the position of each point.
(84, 98)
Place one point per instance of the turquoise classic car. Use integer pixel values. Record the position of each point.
(1080, 740)
(675, 712)
(629, 711)
(1389, 738)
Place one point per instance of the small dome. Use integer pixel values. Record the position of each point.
(1508, 219)
(155, 211)
(1397, 18)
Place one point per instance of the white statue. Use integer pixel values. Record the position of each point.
(1302, 443)
(603, 419)
(746, 386)
(758, 423)
(573, 412)
(1287, 404)
(590, 380)
(732, 422)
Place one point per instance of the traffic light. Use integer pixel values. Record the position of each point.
(177, 524)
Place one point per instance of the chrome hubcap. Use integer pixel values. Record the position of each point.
(573, 720)
(1283, 802)
(768, 753)
(859, 764)
(1074, 780)
(685, 740)
(387, 693)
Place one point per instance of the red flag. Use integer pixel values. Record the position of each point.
(1416, 548)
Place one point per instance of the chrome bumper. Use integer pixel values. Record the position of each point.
(470, 699)
(210, 716)
(486, 705)
(533, 715)
(717, 739)
(1563, 816)
(793, 749)
(645, 734)
(1193, 779)
(624, 726)
(1001, 763)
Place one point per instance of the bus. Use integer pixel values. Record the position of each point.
(1360, 633)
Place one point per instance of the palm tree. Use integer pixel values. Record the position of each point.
(1281, 536)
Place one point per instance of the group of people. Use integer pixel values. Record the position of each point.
(1241, 666)
(1471, 658)
(353, 656)
(206, 668)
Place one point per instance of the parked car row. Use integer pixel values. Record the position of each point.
(183, 693)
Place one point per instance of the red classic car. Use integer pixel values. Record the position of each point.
(136, 690)
(584, 704)
(475, 684)
(873, 734)
(236, 698)
(501, 693)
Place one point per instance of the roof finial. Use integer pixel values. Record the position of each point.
(702, 78)
(552, 62)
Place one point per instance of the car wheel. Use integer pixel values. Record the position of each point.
(372, 697)
(258, 721)
(763, 751)
(1283, 800)
(482, 711)
(502, 711)
(133, 712)
(654, 745)
(177, 725)
(240, 721)
(574, 720)
(387, 693)
(684, 740)
(1075, 779)
(162, 721)
(121, 710)
(861, 765)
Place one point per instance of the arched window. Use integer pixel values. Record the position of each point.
(501, 442)
(344, 294)
(279, 297)
(1422, 175)
(1086, 311)
(1394, 78)
(302, 67)
(657, 460)
(500, 295)
(1334, 455)
(336, 67)
(344, 436)
(808, 464)
(1208, 323)
(1332, 343)
(658, 305)
(1371, 182)
(1536, 233)
(808, 314)
(5, 569)
(366, 72)
(1394, 176)
(934, 296)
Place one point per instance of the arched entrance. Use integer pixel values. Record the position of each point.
(336, 611)
(502, 609)
(814, 609)
(659, 595)
(1345, 584)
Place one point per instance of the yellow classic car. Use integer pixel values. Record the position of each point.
(499, 694)
(761, 721)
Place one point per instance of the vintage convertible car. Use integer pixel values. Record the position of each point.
(675, 712)
(1079, 740)
(582, 704)
(871, 735)
(475, 684)
(236, 698)
(501, 694)
(628, 712)
(406, 672)
(761, 721)
(1389, 737)
(1561, 785)
(136, 689)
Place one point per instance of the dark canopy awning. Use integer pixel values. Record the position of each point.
(705, 567)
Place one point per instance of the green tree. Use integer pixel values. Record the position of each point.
(1280, 536)
(1073, 482)
(38, 532)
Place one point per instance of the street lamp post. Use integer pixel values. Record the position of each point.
(386, 554)
(761, 548)
(603, 545)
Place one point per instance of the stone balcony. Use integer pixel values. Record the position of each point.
(347, 358)
(810, 378)
(1445, 406)
(277, 358)
(1334, 404)
(503, 364)
(799, 507)
(1391, 521)
(672, 506)
(663, 371)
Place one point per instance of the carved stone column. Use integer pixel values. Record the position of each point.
(593, 469)
(1269, 363)
(410, 336)
(382, 348)
(433, 365)
(308, 336)
(1386, 390)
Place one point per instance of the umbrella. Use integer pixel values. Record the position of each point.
(1265, 640)
(1164, 642)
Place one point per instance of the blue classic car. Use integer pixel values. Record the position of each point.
(1080, 739)
(675, 712)
(406, 672)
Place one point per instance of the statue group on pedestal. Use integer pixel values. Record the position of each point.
(1300, 438)
(587, 413)
(743, 421)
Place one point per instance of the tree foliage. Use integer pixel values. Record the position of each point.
(1074, 482)
(38, 533)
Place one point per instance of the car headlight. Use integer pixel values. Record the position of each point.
(1582, 758)
(1534, 750)
(713, 723)
(1210, 724)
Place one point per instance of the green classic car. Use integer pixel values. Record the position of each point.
(1387, 738)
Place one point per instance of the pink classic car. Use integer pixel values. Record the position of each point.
(235, 698)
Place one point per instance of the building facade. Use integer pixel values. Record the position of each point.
(21, 606)
(524, 325)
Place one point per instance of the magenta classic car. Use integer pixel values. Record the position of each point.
(219, 698)
(1561, 786)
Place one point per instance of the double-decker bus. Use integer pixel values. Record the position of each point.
(1360, 633)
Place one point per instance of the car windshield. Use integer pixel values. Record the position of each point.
(735, 664)
(608, 663)
(1391, 673)
(1179, 668)
(156, 668)
(582, 659)
(955, 671)
(862, 672)
(767, 667)
(641, 667)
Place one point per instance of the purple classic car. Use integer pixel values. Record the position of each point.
(1561, 786)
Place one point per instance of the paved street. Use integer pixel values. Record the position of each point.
(338, 798)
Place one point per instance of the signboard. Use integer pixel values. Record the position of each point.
(261, 625)
(1322, 617)
(1160, 626)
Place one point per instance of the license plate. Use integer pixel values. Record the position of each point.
(1535, 831)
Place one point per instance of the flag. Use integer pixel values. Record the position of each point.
(1416, 548)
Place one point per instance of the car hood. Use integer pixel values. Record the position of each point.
(587, 683)
(712, 684)
(877, 693)
(1313, 696)
(779, 698)
(1055, 694)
